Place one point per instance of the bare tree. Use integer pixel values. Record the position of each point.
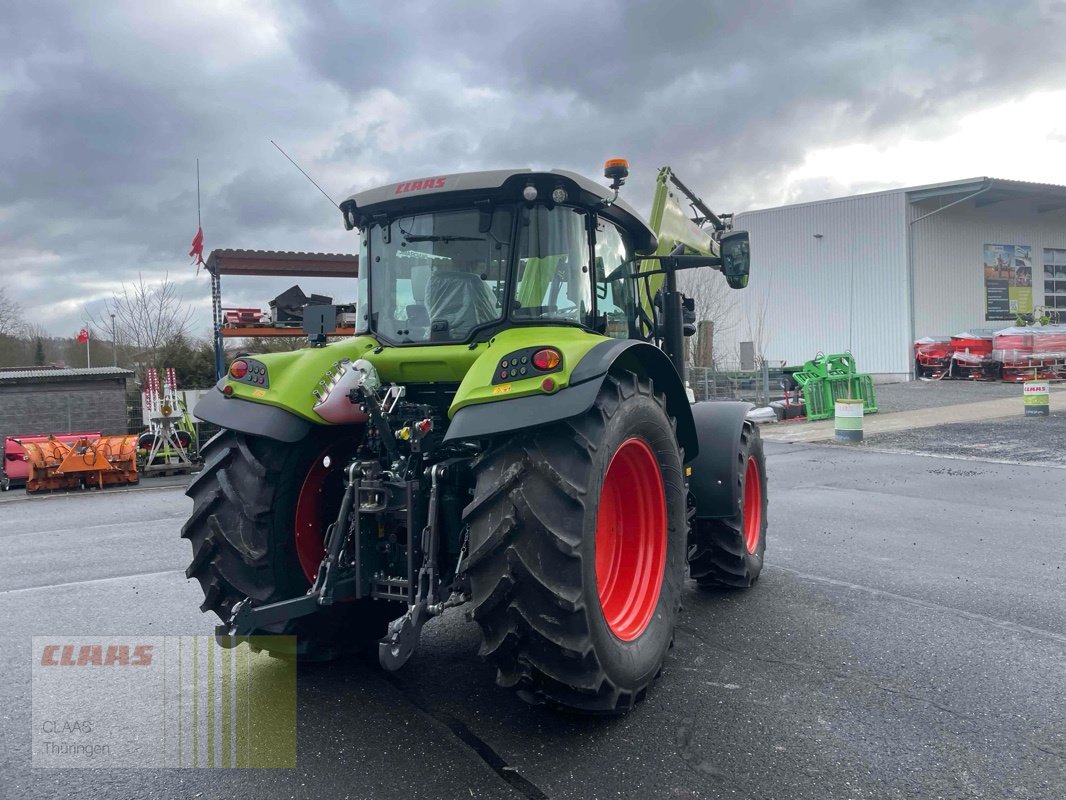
(11, 323)
(715, 303)
(147, 316)
(756, 324)
(37, 345)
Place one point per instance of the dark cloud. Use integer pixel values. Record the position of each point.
(105, 108)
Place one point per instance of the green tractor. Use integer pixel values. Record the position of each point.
(509, 431)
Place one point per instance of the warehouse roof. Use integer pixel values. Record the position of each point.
(276, 262)
(1048, 196)
(50, 374)
(987, 191)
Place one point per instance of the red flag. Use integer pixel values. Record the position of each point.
(198, 247)
(83, 336)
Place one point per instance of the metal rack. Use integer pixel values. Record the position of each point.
(270, 263)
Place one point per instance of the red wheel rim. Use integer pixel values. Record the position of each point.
(631, 539)
(752, 505)
(317, 506)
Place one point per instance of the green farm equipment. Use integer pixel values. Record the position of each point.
(508, 431)
(828, 378)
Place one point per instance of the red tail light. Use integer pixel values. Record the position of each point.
(547, 359)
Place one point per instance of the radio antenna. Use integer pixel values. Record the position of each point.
(305, 174)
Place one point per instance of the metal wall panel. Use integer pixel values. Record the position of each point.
(948, 257)
(844, 290)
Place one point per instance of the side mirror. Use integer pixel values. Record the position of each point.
(736, 258)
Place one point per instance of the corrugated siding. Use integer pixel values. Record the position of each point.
(845, 290)
(948, 255)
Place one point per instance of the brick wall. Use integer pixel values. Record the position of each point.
(75, 405)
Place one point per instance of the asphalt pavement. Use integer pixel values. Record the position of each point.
(911, 395)
(907, 639)
(1028, 440)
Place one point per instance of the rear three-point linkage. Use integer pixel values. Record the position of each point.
(375, 494)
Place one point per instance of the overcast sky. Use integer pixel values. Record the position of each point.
(105, 107)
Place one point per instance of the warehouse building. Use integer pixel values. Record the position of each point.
(42, 400)
(871, 273)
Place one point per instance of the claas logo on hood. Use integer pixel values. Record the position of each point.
(425, 183)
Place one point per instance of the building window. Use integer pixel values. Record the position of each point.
(1055, 278)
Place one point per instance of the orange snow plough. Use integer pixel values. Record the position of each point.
(89, 461)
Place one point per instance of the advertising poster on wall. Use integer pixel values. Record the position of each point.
(1008, 280)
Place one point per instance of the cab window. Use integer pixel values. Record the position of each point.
(553, 281)
(614, 302)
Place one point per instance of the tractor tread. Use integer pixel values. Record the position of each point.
(229, 545)
(718, 556)
(526, 570)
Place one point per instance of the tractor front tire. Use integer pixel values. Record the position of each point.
(728, 553)
(242, 531)
(577, 551)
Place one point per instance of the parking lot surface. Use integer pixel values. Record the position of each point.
(1028, 440)
(907, 639)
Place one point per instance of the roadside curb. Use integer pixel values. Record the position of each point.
(19, 495)
(894, 422)
(863, 448)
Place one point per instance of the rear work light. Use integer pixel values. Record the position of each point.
(238, 369)
(547, 359)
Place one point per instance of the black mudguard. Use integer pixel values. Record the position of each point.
(248, 417)
(713, 482)
(507, 416)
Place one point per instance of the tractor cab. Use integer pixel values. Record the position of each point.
(457, 258)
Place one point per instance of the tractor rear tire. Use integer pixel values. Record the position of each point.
(242, 534)
(728, 553)
(577, 552)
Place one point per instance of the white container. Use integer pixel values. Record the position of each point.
(848, 420)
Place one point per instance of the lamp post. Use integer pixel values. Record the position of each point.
(114, 350)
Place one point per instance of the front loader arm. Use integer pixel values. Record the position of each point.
(675, 226)
(694, 230)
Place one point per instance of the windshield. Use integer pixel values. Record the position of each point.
(434, 277)
(553, 279)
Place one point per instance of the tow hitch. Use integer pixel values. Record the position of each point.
(247, 618)
(339, 573)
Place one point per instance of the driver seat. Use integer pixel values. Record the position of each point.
(462, 299)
